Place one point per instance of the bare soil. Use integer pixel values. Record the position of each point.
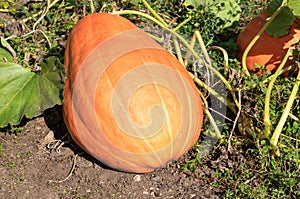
(43, 162)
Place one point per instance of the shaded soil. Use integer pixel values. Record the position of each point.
(36, 162)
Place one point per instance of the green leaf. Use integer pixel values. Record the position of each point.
(25, 93)
(194, 4)
(7, 46)
(294, 6)
(5, 56)
(280, 26)
(4, 5)
(135, 2)
(228, 11)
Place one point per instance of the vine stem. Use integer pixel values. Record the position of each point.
(210, 117)
(154, 13)
(161, 20)
(41, 12)
(225, 101)
(295, 139)
(4, 10)
(235, 123)
(254, 40)
(162, 25)
(178, 36)
(294, 117)
(182, 23)
(197, 36)
(278, 129)
(267, 122)
(226, 83)
(135, 12)
(225, 55)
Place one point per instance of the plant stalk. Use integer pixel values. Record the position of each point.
(278, 129)
(225, 101)
(210, 117)
(267, 122)
(183, 23)
(227, 84)
(154, 13)
(225, 55)
(134, 12)
(254, 40)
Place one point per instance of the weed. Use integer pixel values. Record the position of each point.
(1, 147)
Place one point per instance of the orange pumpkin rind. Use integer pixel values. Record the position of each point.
(267, 51)
(128, 102)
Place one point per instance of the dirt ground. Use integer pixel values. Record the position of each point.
(41, 161)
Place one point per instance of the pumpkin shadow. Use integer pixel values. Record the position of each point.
(55, 122)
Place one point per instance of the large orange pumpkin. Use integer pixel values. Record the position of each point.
(127, 101)
(267, 51)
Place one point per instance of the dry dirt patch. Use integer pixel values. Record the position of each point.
(36, 163)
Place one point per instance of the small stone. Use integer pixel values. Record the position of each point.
(154, 192)
(48, 138)
(145, 192)
(156, 179)
(137, 178)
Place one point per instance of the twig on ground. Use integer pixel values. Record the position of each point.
(37, 30)
(217, 112)
(57, 144)
(235, 122)
(70, 173)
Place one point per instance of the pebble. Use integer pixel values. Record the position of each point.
(137, 178)
(154, 192)
(156, 179)
(145, 192)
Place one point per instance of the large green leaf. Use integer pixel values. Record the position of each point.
(6, 45)
(229, 11)
(5, 56)
(26, 93)
(194, 4)
(280, 26)
(294, 6)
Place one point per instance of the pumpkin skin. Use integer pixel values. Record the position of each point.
(127, 101)
(267, 51)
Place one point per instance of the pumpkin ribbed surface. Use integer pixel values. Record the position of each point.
(128, 102)
(267, 51)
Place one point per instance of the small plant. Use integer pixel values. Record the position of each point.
(38, 77)
(1, 147)
(282, 14)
